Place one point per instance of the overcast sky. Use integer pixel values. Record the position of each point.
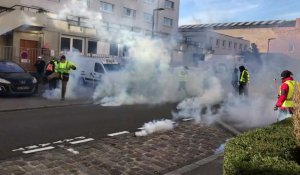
(212, 11)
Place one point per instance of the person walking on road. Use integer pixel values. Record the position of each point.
(51, 67)
(285, 103)
(63, 72)
(244, 81)
(183, 74)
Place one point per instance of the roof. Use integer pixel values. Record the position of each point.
(239, 25)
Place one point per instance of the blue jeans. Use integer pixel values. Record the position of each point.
(283, 114)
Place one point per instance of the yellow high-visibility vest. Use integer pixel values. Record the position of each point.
(245, 77)
(289, 103)
(64, 67)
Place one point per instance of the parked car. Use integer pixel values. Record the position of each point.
(14, 80)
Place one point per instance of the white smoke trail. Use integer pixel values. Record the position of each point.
(156, 126)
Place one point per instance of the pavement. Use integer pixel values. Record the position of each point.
(189, 149)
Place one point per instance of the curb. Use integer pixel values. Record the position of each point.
(228, 127)
(43, 107)
(194, 165)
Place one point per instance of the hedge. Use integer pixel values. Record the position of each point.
(270, 150)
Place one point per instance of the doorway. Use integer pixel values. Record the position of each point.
(28, 54)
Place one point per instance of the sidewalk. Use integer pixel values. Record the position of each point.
(188, 149)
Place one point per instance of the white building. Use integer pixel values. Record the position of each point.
(197, 44)
(38, 27)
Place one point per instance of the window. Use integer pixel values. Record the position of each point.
(224, 43)
(169, 4)
(217, 42)
(168, 21)
(230, 44)
(149, 1)
(235, 45)
(245, 47)
(113, 49)
(98, 68)
(77, 44)
(129, 12)
(106, 7)
(65, 44)
(71, 44)
(92, 47)
(147, 17)
(240, 46)
(84, 2)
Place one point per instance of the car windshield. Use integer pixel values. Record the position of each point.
(112, 67)
(10, 67)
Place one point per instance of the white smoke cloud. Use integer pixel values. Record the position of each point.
(149, 79)
(155, 126)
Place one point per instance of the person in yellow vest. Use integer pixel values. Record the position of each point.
(244, 81)
(63, 72)
(285, 103)
(183, 75)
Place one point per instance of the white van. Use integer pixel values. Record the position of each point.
(91, 69)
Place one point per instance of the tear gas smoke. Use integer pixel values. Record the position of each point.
(155, 126)
(147, 78)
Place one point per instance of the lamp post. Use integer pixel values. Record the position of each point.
(157, 9)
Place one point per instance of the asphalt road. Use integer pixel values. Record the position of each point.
(39, 126)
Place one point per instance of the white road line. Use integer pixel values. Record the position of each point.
(72, 151)
(19, 149)
(118, 133)
(31, 147)
(68, 140)
(57, 142)
(141, 128)
(38, 150)
(80, 137)
(81, 141)
(44, 144)
(187, 119)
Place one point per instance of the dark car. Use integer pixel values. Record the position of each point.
(14, 80)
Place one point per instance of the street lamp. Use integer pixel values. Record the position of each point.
(269, 40)
(157, 9)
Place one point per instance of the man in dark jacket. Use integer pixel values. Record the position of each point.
(40, 65)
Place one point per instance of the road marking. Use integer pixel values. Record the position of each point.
(118, 133)
(80, 137)
(187, 119)
(31, 147)
(67, 140)
(38, 150)
(57, 142)
(81, 141)
(72, 151)
(141, 128)
(19, 149)
(44, 144)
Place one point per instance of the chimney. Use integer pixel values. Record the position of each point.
(297, 23)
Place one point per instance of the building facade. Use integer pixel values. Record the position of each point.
(50, 27)
(275, 36)
(197, 44)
